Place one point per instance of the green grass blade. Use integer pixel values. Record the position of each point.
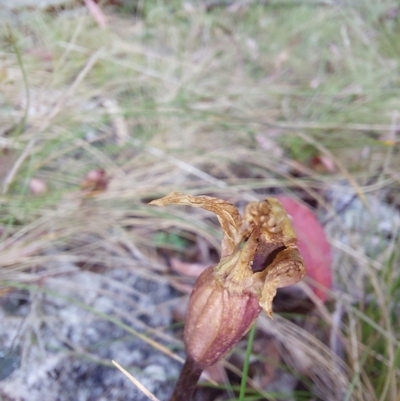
(246, 363)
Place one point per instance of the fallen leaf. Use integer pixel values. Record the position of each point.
(312, 244)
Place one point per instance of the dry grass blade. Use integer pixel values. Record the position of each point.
(311, 357)
(55, 110)
(136, 382)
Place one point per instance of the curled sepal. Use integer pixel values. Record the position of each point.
(286, 269)
(277, 262)
(228, 215)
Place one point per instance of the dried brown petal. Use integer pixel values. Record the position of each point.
(277, 261)
(228, 215)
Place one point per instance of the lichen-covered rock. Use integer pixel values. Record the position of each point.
(61, 350)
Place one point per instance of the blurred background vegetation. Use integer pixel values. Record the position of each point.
(105, 108)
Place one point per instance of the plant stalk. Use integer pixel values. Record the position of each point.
(187, 381)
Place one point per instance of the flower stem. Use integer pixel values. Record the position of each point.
(187, 381)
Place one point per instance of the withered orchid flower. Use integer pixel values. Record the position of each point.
(258, 255)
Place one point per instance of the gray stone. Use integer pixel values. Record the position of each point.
(60, 351)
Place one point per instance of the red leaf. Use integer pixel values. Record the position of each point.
(312, 244)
